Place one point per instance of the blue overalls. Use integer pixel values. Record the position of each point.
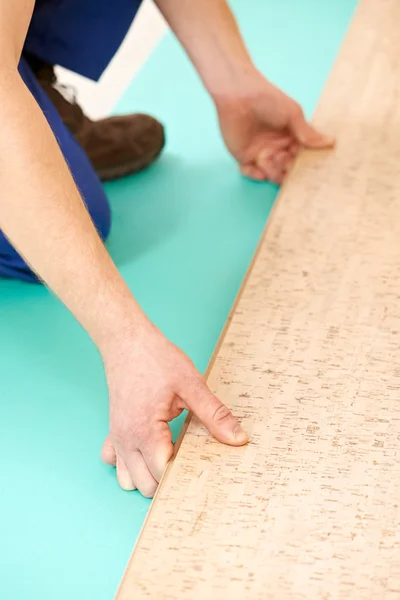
(83, 36)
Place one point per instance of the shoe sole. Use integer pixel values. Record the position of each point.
(130, 168)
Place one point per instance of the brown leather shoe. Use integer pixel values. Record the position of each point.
(116, 146)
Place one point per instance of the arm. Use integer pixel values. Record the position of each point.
(262, 127)
(38, 194)
(150, 381)
(208, 31)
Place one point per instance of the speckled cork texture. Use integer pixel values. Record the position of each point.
(310, 363)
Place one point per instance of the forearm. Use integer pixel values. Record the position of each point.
(208, 31)
(43, 216)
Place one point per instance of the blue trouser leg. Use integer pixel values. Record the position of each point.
(11, 264)
(83, 36)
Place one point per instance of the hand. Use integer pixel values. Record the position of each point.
(263, 129)
(150, 383)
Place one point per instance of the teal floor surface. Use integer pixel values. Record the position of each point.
(183, 235)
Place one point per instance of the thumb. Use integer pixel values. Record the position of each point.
(307, 135)
(216, 417)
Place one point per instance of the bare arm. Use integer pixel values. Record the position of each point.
(262, 127)
(150, 381)
(38, 195)
(208, 31)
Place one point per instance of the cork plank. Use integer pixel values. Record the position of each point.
(310, 362)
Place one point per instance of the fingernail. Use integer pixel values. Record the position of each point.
(240, 435)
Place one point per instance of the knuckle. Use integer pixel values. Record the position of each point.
(297, 109)
(148, 490)
(221, 413)
(191, 379)
(297, 113)
(123, 436)
(149, 438)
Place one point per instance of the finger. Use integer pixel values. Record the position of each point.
(158, 451)
(281, 160)
(140, 474)
(214, 415)
(272, 172)
(307, 135)
(124, 476)
(251, 171)
(108, 454)
(271, 148)
(288, 167)
(285, 162)
(294, 149)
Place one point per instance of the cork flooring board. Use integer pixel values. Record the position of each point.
(310, 362)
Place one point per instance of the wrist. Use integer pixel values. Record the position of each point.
(127, 335)
(244, 82)
(123, 320)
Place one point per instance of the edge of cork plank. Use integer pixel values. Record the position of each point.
(238, 297)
